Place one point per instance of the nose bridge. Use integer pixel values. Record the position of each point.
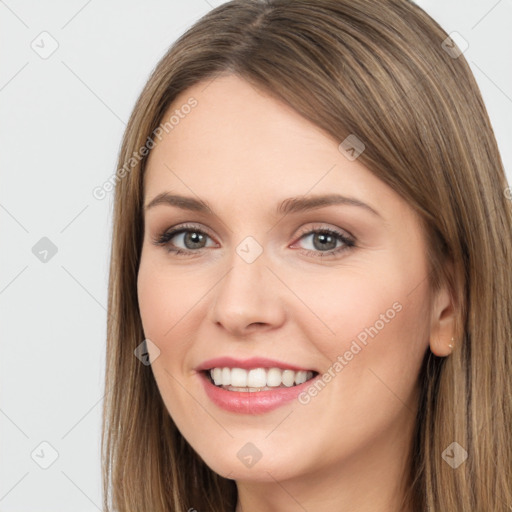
(243, 279)
(246, 295)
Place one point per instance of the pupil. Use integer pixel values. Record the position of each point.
(327, 241)
(194, 240)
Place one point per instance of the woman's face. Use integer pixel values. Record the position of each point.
(279, 271)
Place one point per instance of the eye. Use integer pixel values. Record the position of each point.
(325, 241)
(189, 239)
(184, 240)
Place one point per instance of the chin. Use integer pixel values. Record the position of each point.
(244, 461)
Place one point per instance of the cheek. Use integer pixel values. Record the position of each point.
(155, 305)
(373, 319)
(372, 359)
(166, 307)
(165, 298)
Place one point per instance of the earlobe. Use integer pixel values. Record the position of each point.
(441, 349)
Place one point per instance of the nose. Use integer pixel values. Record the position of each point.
(248, 298)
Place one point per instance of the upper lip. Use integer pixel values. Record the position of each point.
(248, 364)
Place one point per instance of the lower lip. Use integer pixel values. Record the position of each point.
(246, 402)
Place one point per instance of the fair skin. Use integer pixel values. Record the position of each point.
(243, 153)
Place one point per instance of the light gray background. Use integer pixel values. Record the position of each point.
(62, 123)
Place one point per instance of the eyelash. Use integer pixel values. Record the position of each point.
(164, 238)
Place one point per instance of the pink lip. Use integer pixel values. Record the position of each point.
(245, 402)
(247, 364)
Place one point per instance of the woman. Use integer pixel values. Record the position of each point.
(311, 264)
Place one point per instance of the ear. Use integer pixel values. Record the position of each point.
(442, 324)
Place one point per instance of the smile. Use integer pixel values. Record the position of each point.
(257, 379)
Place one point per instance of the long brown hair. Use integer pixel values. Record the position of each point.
(378, 70)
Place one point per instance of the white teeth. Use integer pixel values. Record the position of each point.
(239, 379)
(301, 377)
(226, 377)
(257, 378)
(288, 378)
(274, 377)
(217, 376)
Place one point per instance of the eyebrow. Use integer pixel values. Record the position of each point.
(183, 202)
(290, 205)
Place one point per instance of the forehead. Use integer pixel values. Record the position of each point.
(232, 118)
(241, 144)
